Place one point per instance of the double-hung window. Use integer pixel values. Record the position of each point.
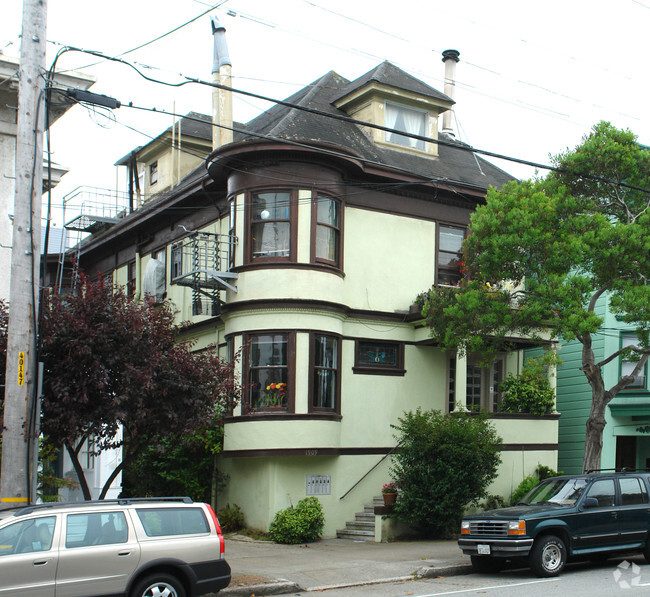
(406, 120)
(627, 366)
(450, 242)
(326, 215)
(325, 372)
(271, 219)
(270, 371)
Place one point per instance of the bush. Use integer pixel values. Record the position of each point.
(530, 391)
(493, 502)
(541, 472)
(301, 524)
(231, 518)
(444, 462)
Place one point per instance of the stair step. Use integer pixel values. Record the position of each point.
(350, 533)
(365, 516)
(359, 524)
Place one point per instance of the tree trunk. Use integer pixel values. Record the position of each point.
(111, 478)
(594, 435)
(74, 457)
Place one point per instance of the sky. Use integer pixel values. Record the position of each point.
(533, 77)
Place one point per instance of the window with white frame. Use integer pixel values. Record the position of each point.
(407, 120)
(483, 384)
(628, 365)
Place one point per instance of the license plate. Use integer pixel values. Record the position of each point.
(483, 550)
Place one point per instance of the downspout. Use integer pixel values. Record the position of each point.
(221, 98)
(450, 59)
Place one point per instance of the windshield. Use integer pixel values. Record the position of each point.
(565, 492)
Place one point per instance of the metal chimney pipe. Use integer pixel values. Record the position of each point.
(221, 98)
(450, 58)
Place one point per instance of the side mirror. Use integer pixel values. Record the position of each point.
(590, 502)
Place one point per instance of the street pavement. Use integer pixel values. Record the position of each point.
(266, 568)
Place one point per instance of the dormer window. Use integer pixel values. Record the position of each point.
(407, 120)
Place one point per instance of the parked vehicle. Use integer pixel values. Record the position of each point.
(592, 515)
(148, 547)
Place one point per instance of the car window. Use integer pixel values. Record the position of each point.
(565, 492)
(27, 536)
(632, 491)
(95, 528)
(158, 522)
(603, 490)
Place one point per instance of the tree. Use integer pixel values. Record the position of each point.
(112, 363)
(444, 462)
(541, 253)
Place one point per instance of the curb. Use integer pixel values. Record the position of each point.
(281, 587)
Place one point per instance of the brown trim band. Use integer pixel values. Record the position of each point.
(284, 416)
(277, 452)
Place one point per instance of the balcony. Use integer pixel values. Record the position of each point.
(202, 261)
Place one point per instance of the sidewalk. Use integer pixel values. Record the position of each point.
(265, 568)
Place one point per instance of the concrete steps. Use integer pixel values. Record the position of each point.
(362, 528)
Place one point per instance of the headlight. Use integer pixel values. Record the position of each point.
(464, 527)
(517, 527)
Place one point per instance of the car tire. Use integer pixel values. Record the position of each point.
(548, 556)
(646, 552)
(486, 564)
(159, 585)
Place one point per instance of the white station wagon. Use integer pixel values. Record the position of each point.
(149, 547)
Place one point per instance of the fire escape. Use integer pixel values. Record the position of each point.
(202, 261)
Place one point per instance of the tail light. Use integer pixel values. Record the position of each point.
(222, 548)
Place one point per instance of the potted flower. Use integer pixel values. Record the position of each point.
(389, 493)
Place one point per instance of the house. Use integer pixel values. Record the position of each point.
(626, 437)
(304, 244)
(9, 68)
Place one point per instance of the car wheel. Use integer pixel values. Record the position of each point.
(646, 552)
(548, 556)
(486, 564)
(159, 585)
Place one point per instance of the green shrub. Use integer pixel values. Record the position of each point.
(541, 472)
(492, 502)
(300, 524)
(530, 391)
(231, 518)
(444, 462)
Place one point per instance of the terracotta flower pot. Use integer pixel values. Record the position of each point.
(389, 498)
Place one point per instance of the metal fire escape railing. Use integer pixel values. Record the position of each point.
(203, 262)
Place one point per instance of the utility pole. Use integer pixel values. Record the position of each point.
(20, 409)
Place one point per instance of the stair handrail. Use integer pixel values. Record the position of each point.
(370, 470)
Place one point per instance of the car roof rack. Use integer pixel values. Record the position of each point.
(624, 469)
(22, 511)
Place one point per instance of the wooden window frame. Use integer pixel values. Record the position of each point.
(293, 226)
(338, 263)
(291, 372)
(379, 369)
(131, 278)
(312, 374)
(444, 269)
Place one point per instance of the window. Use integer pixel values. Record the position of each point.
(379, 358)
(482, 385)
(269, 373)
(153, 172)
(632, 491)
(159, 522)
(407, 120)
(450, 241)
(325, 372)
(95, 528)
(603, 490)
(130, 279)
(627, 366)
(451, 387)
(27, 536)
(177, 261)
(326, 215)
(271, 219)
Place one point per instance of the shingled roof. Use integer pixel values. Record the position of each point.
(454, 163)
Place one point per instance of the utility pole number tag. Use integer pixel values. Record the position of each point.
(21, 368)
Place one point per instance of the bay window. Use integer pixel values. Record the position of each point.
(326, 230)
(325, 372)
(450, 242)
(269, 371)
(272, 224)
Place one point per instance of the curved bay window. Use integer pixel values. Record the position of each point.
(270, 371)
(325, 373)
(450, 244)
(326, 230)
(272, 224)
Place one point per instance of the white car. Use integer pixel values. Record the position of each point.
(132, 547)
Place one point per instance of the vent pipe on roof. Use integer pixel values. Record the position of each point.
(221, 98)
(450, 58)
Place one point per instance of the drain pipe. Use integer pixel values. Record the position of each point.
(221, 98)
(450, 59)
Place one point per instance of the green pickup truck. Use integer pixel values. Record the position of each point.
(591, 515)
